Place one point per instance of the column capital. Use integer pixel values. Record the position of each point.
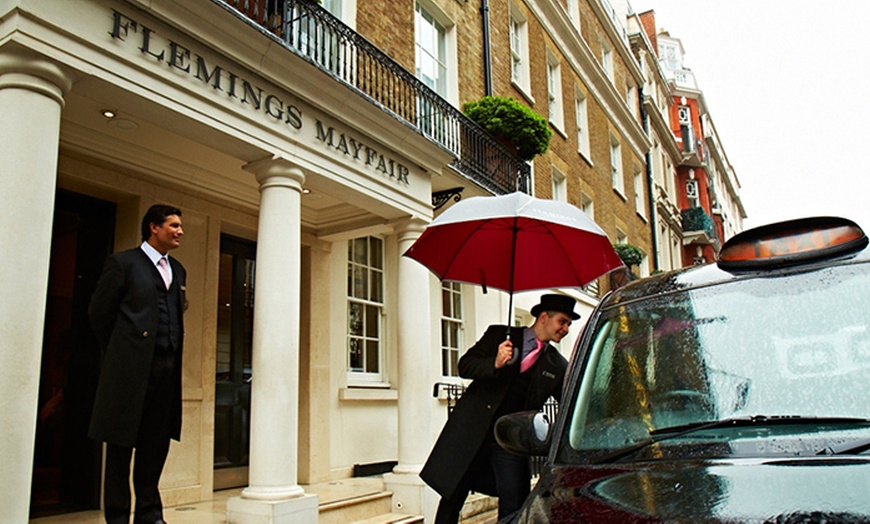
(276, 171)
(24, 68)
(410, 228)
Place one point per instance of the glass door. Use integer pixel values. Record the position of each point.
(233, 362)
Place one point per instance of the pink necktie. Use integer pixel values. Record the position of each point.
(164, 272)
(531, 357)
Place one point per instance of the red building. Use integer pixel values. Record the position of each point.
(706, 186)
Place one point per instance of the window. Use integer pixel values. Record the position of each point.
(639, 201)
(344, 10)
(582, 118)
(519, 39)
(631, 99)
(365, 307)
(574, 13)
(687, 133)
(692, 192)
(554, 90)
(320, 42)
(621, 237)
(616, 166)
(435, 58)
(586, 205)
(430, 51)
(451, 327)
(607, 59)
(334, 8)
(669, 52)
(559, 185)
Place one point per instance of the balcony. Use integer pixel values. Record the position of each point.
(312, 33)
(698, 227)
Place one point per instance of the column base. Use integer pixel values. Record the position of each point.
(411, 495)
(300, 510)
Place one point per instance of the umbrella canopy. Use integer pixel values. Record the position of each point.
(514, 243)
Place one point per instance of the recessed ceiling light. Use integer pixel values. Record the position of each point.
(108, 113)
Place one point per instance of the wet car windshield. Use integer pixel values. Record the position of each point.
(795, 345)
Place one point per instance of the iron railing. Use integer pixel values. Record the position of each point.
(550, 409)
(317, 36)
(697, 219)
(454, 391)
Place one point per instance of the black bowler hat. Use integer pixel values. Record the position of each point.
(553, 302)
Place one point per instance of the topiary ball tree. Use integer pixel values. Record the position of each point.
(507, 119)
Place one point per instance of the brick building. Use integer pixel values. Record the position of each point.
(308, 147)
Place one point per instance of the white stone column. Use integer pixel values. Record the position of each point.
(410, 494)
(32, 91)
(273, 494)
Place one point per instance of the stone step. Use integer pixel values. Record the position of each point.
(355, 508)
(391, 518)
(487, 517)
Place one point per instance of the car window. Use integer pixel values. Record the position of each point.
(795, 345)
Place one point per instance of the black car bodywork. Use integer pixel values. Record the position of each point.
(731, 392)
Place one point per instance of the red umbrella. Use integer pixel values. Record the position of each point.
(514, 243)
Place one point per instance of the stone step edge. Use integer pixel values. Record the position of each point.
(357, 499)
(391, 518)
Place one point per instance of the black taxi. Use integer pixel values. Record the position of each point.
(738, 391)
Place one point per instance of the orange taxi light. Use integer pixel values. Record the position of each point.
(792, 242)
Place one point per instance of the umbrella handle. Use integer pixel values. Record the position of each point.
(517, 352)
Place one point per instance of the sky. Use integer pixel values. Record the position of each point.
(787, 85)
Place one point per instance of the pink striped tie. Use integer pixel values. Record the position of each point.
(164, 272)
(531, 357)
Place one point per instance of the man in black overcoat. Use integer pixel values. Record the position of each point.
(137, 314)
(466, 456)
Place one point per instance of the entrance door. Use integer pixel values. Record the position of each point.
(233, 363)
(66, 463)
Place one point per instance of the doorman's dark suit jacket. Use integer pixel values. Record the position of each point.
(124, 314)
(479, 406)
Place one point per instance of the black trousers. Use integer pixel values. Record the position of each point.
(152, 448)
(512, 483)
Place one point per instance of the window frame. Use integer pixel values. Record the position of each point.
(446, 43)
(364, 375)
(617, 179)
(639, 200)
(558, 185)
(581, 114)
(556, 114)
(607, 59)
(449, 368)
(518, 31)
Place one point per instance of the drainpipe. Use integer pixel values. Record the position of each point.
(487, 59)
(650, 184)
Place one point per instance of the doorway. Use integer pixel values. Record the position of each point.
(66, 463)
(235, 328)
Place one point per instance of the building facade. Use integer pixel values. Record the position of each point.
(308, 146)
(707, 189)
(664, 153)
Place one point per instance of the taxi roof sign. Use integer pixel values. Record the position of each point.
(792, 242)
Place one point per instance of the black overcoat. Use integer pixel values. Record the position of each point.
(124, 315)
(472, 417)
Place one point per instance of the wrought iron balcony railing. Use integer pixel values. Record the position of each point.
(314, 34)
(697, 219)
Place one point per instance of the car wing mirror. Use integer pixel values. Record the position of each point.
(525, 433)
